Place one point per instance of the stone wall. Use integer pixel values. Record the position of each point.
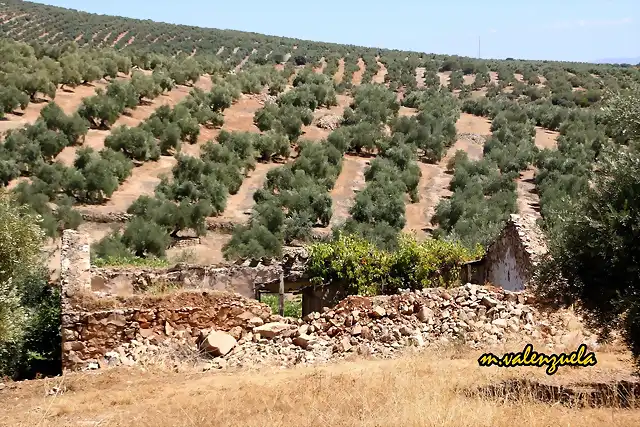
(75, 264)
(246, 277)
(509, 261)
(90, 333)
(315, 298)
(240, 279)
(228, 330)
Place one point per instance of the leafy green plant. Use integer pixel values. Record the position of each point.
(292, 307)
(366, 270)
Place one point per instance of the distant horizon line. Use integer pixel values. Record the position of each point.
(634, 60)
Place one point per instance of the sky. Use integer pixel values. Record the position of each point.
(570, 30)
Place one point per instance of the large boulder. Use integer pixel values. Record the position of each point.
(218, 343)
(275, 329)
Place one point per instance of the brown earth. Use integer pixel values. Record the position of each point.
(469, 79)
(239, 205)
(357, 75)
(350, 181)
(420, 76)
(434, 186)
(435, 180)
(207, 252)
(382, 71)
(479, 93)
(546, 138)
(444, 77)
(119, 37)
(320, 69)
(468, 123)
(340, 73)
(313, 132)
(406, 111)
(69, 99)
(95, 137)
(433, 387)
(528, 200)
(144, 178)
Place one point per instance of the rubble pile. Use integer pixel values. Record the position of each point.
(380, 326)
(329, 121)
(263, 98)
(473, 137)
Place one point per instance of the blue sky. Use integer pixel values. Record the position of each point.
(570, 30)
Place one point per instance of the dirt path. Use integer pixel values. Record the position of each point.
(239, 117)
(406, 111)
(357, 75)
(350, 181)
(382, 71)
(528, 200)
(68, 99)
(418, 214)
(444, 78)
(239, 205)
(434, 186)
(316, 133)
(143, 181)
(320, 69)
(468, 79)
(420, 76)
(468, 123)
(546, 138)
(241, 63)
(340, 73)
(95, 138)
(204, 83)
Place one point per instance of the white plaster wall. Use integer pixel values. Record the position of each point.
(503, 272)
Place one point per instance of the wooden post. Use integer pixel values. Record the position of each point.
(281, 295)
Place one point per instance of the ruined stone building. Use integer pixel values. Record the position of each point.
(509, 261)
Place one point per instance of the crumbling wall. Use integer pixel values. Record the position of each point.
(75, 263)
(510, 260)
(315, 298)
(89, 334)
(239, 279)
(246, 334)
(89, 330)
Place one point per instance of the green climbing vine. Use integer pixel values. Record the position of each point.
(367, 270)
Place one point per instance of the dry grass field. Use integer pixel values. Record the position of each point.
(427, 388)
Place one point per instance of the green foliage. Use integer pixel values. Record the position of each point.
(145, 86)
(29, 307)
(593, 250)
(11, 98)
(366, 270)
(136, 143)
(293, 200)
(100, 110)
(292, 307)
(622, 115)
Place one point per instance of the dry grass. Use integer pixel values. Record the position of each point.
(425, 389)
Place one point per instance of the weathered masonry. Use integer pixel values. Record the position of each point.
(510, 260)
(102, 307)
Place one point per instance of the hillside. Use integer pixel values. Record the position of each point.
(402, 116)
(168, 144)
